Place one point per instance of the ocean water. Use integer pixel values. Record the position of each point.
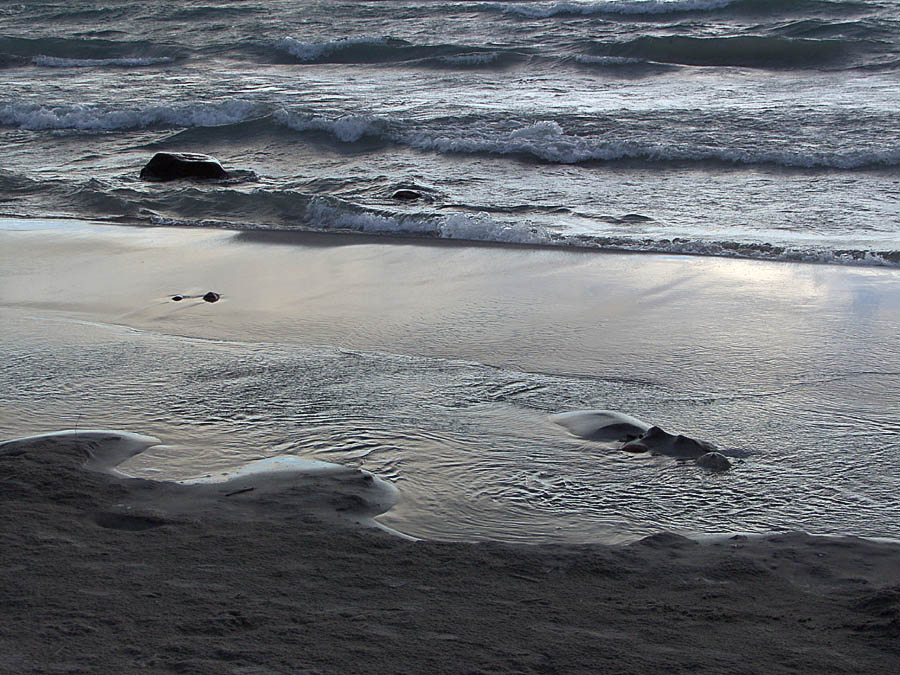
(757, 129)
(749, 128)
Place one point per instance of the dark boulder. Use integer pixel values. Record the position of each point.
(177, 165)
(177, 298)
(211, 297)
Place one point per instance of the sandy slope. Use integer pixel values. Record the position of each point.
(96, 577)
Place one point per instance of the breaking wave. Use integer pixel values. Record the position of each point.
(57, 62)
(653, 8)
(238, 208)
(391, 50)
(542, 140)
(329, 215)
(99, 118)
(543, 10)
(547, 141)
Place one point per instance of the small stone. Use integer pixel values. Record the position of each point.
(177, 298)
(211, 297)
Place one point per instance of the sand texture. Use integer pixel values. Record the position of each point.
(437, 370)
(94, 584)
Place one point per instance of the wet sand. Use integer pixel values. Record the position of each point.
(102, 574)
(99, 578)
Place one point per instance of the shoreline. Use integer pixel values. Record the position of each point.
(887, 259)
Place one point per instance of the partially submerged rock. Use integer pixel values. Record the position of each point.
(636, 436)
(674, 445)
(179, 165)
(212, 296)
(714, 461)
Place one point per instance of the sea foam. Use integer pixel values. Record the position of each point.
(58, 62)
(545, 10)
(547, 141)
(101, 118)
(313, 51)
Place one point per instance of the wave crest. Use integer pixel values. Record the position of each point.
(547, 141)
(99, 118)
(58, 62)
(316, 51)
(651, 8)
(546, 10)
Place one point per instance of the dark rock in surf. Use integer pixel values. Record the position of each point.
(179, 165)
(714, 461)
(177, 298)
(211, 297)
(406, 195)
(663, 443)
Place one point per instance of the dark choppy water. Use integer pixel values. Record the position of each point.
(756, 128)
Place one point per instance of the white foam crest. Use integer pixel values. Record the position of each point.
(753, 251)
(97, 118)
(311, 51)
(480, 227)
(326, 214)
(348, 128)
(607, 60)
(58, 62)
(545, 140)
(546, 10)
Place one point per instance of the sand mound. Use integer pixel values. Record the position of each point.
(103, 573)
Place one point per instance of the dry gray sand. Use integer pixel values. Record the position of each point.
(100, 578)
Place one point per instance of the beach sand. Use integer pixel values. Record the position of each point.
(93, 583)
(104, 573)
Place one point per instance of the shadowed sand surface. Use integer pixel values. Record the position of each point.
(285, 571)
(92, 583)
